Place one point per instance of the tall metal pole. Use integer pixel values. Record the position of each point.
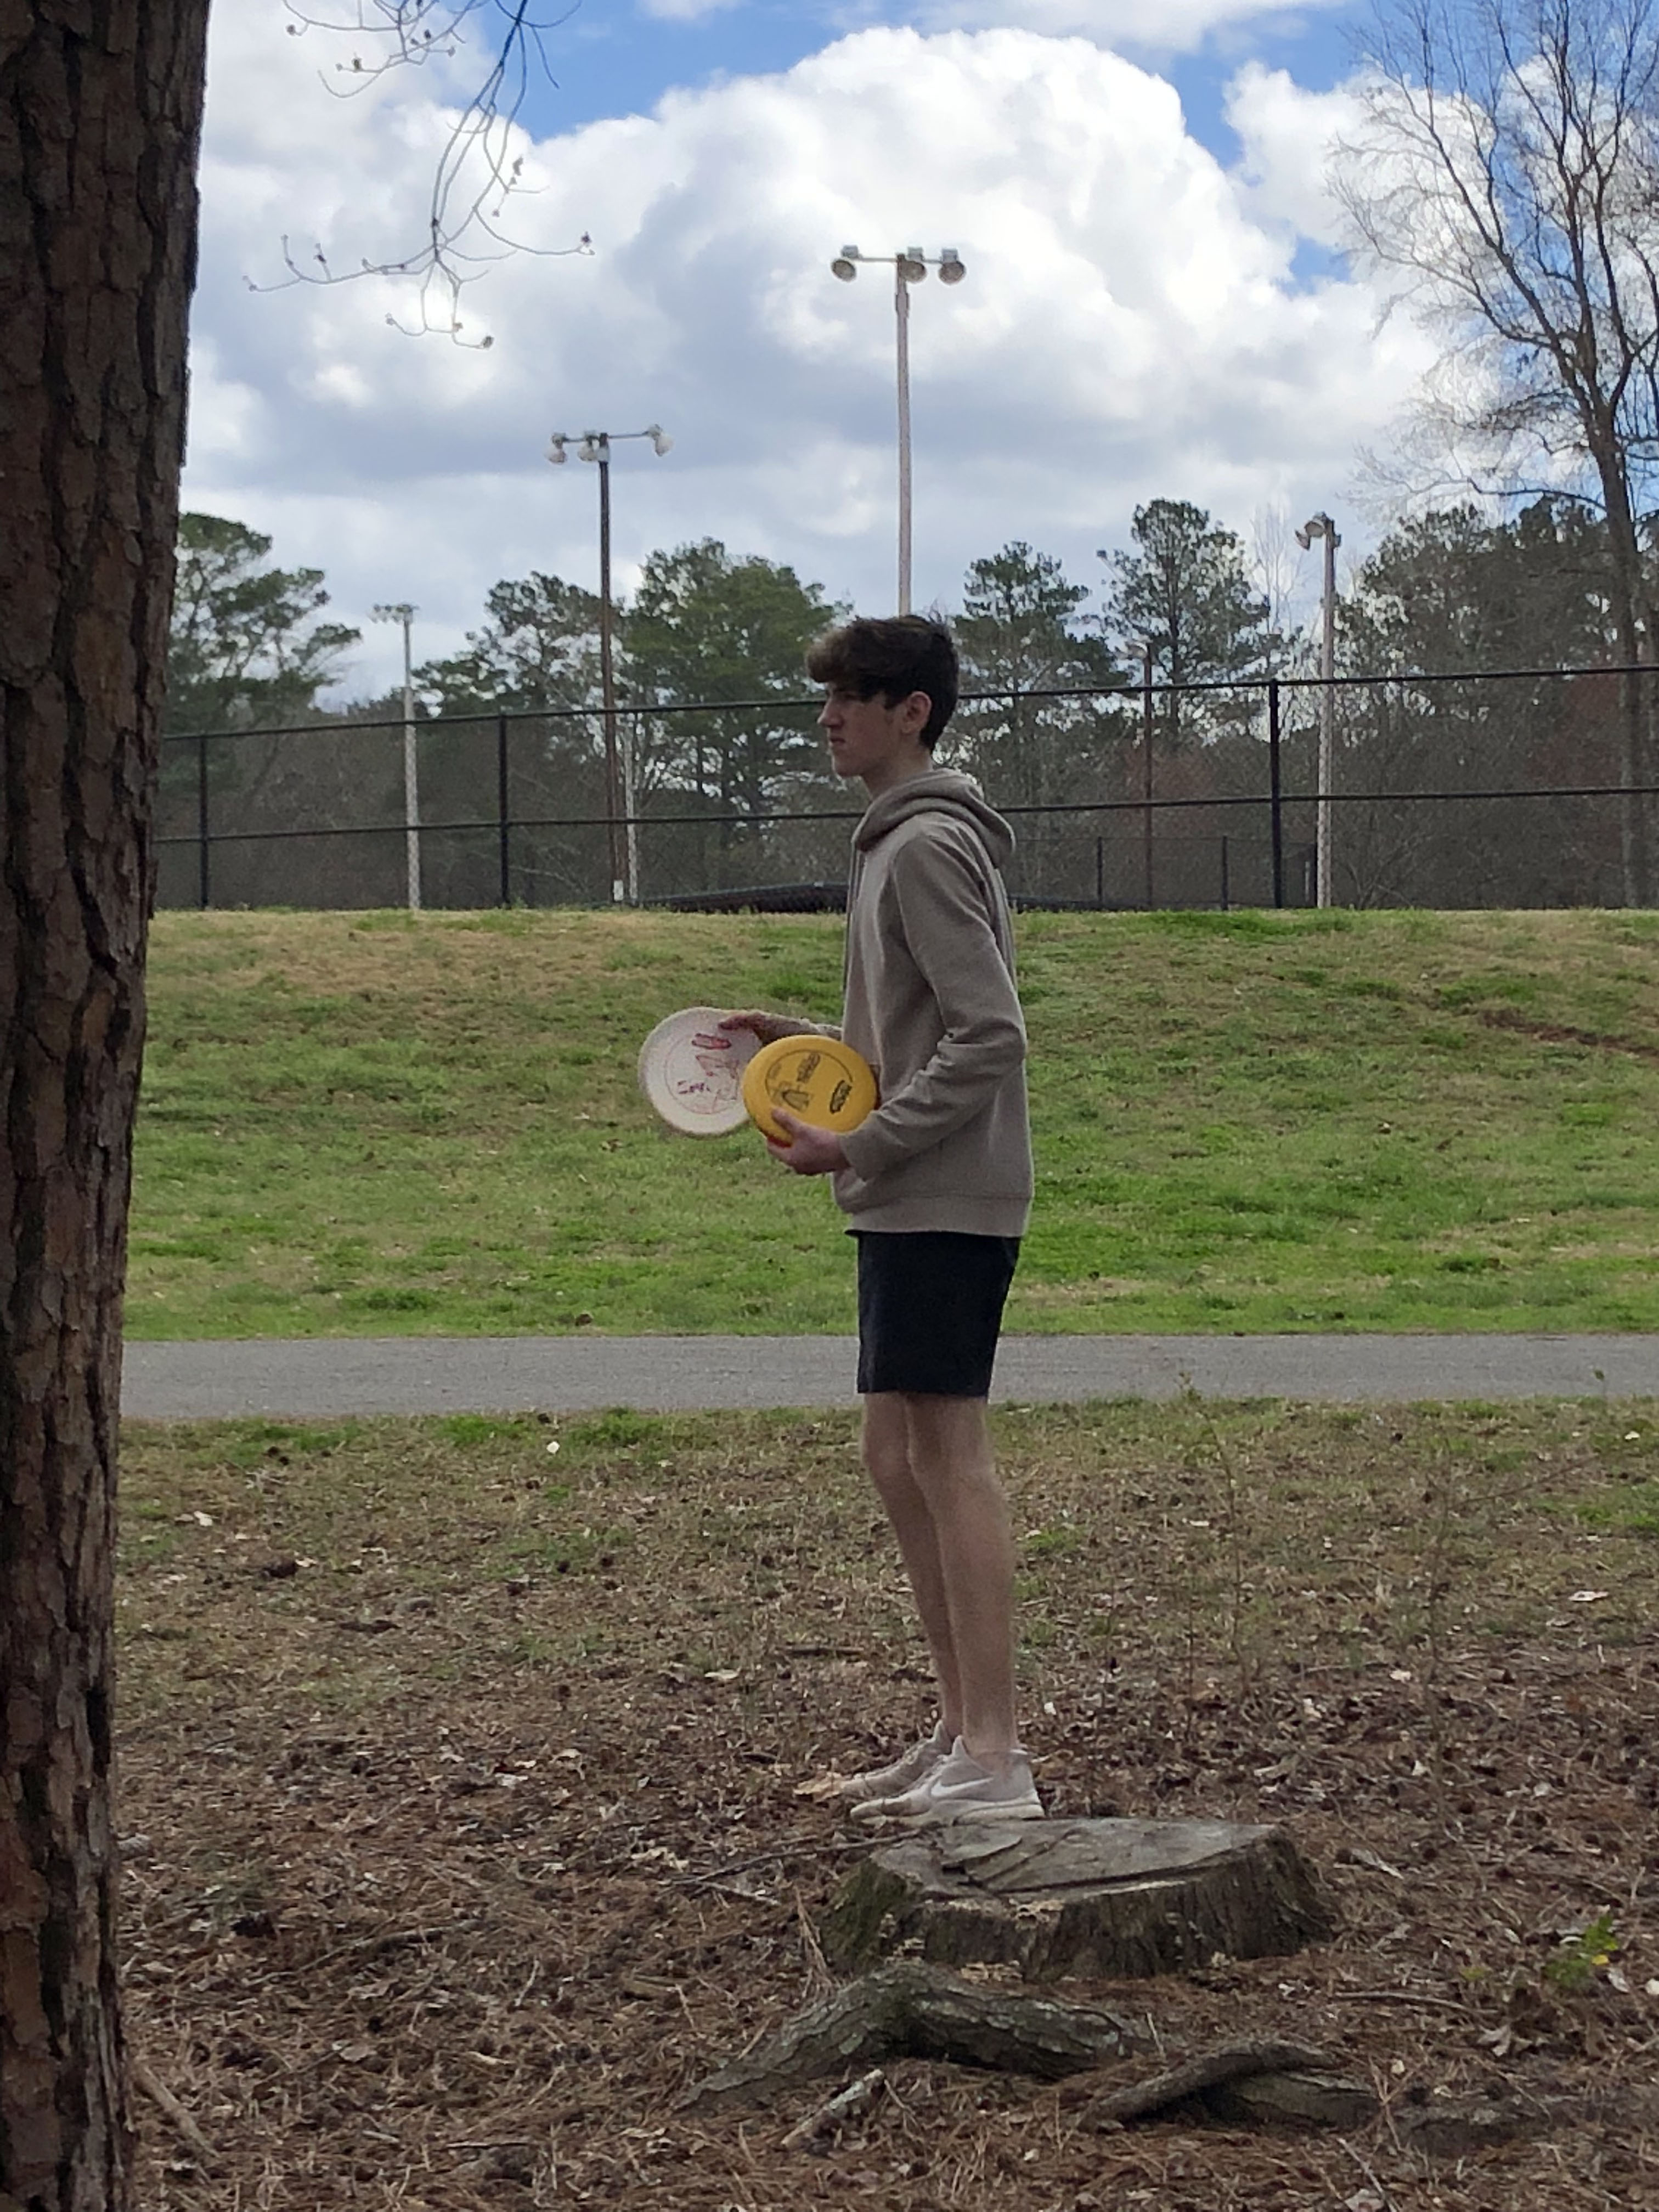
(902, 311)
(1321, 525)
(1327, 715)
(910, 266)
(622, 831)
(411, 772)
(400, 610)
(1275, 791)
(613, 796)
(1146, 768)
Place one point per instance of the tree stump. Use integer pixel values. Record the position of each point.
(1104, 1899)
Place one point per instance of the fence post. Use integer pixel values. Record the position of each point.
(501, 824)
(1226, 881)
(1275, 793)
(202, 883)
(1146, 772)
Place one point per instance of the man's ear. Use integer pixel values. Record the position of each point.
(913, 715)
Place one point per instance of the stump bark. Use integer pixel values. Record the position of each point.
(909, 2010)
(1103, 1899)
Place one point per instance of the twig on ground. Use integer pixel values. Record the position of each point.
(157, 2091)
(857, 2097)
(819, 1979)
(713, 1876)
(1388, 2204)
(1235, 2061)
(1400, 1997)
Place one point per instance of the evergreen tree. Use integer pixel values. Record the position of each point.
(1186, 590)
(1021, 634)
(538, 648)
(1455, 590)
(246, 650)
(706, 627)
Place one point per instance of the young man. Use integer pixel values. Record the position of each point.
(937, 1186)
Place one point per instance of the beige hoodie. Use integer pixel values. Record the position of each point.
(930, 1001)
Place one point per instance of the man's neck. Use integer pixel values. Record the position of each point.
(893, 773)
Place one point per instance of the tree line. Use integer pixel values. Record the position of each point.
(708, 655)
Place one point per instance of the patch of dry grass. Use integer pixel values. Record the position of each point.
(461, 1789)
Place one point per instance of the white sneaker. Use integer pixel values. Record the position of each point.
(960, 1788)
(914, 1766)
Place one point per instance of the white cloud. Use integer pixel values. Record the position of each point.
(1129, 327)
(686, 11)
(1288, 135)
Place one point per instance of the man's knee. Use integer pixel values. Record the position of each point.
(885, 1443)
(950, 1441)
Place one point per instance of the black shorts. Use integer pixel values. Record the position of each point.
(929, 1307)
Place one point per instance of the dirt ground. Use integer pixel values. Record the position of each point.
(467, 1817)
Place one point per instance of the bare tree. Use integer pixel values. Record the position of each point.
(1506, 171)
(1276, 566)
(100, 105)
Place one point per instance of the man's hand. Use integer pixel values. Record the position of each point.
(768, 1028)
(809, 1150)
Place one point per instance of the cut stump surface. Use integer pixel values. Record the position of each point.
(1098, 1899)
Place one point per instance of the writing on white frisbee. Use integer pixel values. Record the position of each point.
(691, 1072)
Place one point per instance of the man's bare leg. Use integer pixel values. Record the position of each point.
(930, 1459)
(887, 1455)
(954, 1472)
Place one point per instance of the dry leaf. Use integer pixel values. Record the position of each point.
(820, 1786)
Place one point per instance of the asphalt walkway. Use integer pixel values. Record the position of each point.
(320, 1377)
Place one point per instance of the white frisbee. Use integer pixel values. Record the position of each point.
(691, 1071)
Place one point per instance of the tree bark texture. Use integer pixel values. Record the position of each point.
(99, 117)
(1098, 1899)
(910, 2010)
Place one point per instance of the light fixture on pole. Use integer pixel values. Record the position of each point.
(1321, 525)
(399, 610)
(909, 267)
(623, 833)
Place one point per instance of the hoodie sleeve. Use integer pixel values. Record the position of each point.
(947, 909)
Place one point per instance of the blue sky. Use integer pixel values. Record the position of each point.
(1155, 305)
(617, 59)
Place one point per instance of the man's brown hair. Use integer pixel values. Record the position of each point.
(889, 659)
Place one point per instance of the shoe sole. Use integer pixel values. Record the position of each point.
(947, 1814)
(954, 1815)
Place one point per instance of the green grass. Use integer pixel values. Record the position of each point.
(373, 1125)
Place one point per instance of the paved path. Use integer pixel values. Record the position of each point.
(320, 1377)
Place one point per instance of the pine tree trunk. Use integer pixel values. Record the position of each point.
(100, 108)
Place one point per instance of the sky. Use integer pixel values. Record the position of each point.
(1156, 304)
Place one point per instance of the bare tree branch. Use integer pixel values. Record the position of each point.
(478, 173)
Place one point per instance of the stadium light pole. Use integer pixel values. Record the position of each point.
(1321, 525)
(909, 267)
(399, 610)
(595, 446)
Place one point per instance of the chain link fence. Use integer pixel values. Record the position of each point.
(1522, 788)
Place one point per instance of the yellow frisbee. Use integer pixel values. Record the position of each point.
(819, 1078)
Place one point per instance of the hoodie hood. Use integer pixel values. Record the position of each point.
(937, 791)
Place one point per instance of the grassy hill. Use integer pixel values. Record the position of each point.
(374, 1124)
